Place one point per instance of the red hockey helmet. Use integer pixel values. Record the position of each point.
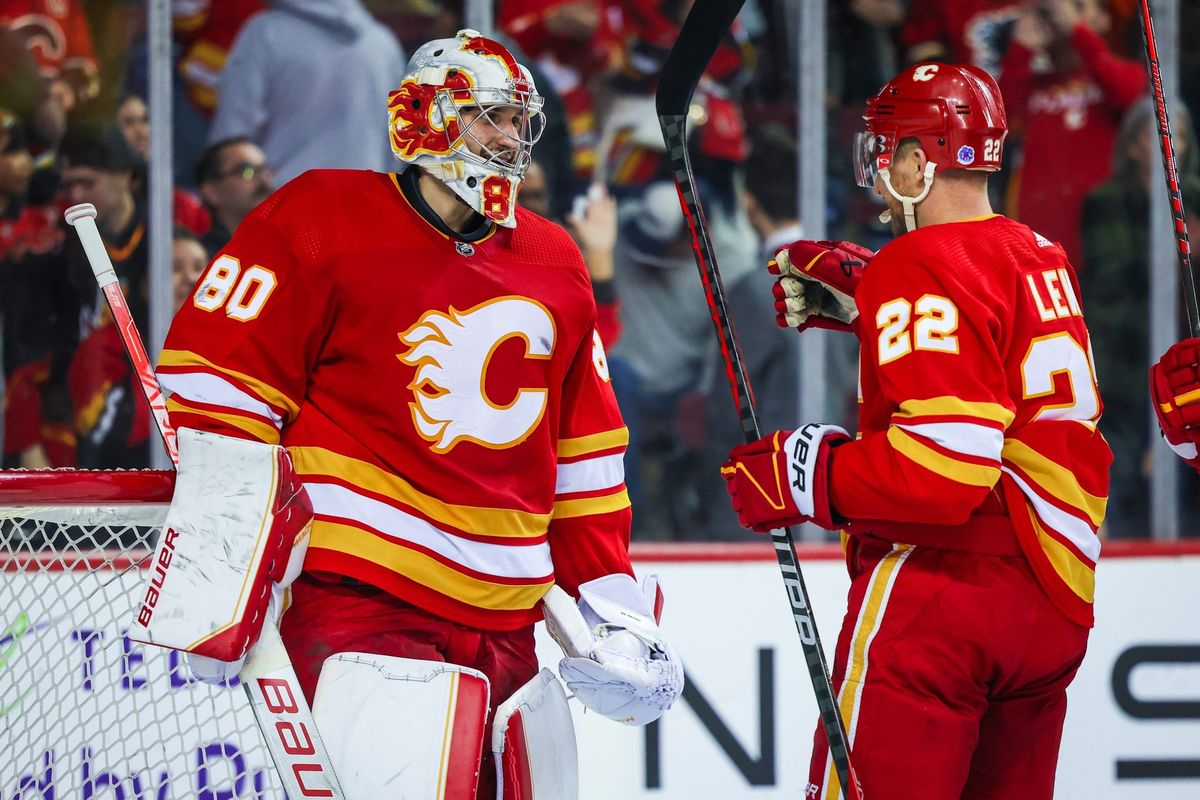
(954, 110)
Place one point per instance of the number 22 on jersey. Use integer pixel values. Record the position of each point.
(936, 320)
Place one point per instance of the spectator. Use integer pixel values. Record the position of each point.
(110, 419)
(188, 260)
(594, 228)
(1116, 295)
(307, 64)
(27, 233)
(206, 30)
(1068, 91)
(234, 177)
(961, 31)
(133, 122)
(56, 33)
(656, 365)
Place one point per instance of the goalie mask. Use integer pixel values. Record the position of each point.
(468, 114)
(954, 111)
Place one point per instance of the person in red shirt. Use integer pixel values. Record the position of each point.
(962, 31)
(978, 479)
(57, 34)
(1067, 91)
(1175, 389)
(425, 350)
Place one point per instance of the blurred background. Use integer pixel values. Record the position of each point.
(176, 117)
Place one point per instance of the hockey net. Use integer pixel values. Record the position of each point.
(84, 711)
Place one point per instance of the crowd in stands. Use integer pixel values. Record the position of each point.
(265, 91)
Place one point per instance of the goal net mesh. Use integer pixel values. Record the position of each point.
(85, 712)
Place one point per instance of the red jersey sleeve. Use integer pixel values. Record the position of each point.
(932, 451)
(240, 350)
(589, 529)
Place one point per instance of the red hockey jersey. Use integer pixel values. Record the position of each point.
(979, 403)
(446, 403)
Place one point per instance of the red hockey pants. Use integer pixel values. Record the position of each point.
(951, 670)
(329, 617)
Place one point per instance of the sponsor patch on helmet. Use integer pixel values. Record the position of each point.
(966, 154)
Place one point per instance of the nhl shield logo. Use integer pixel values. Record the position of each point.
(464, 249)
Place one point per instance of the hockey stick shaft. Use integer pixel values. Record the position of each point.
(83, 218)
(270, 681)
(698, 40)
(1187, 274)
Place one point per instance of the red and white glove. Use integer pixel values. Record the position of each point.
(817, 282)
(783, 479)
(1175, 387)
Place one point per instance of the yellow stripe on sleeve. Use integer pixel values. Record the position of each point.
(587, 506)
(1074, 573)
(425, 570)
(950, 406)
(930, 459)
(269, 394)
(1058, 481)
(263, 431)
(471, 519)
(594, 443)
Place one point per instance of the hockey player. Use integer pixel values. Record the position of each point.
(1175, 388)
(417, 356)
(972, 495)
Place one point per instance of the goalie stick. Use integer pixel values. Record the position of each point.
(702, 31)
(282, 714)
(1187, 274)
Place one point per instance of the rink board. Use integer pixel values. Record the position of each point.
(743, 730)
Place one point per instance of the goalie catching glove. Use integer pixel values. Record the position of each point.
(783, 479)
(816, 284)
(1175, 387)
(616, 662)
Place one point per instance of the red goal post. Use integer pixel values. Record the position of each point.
(84, 710)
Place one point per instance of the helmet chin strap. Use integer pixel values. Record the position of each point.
(909, 203)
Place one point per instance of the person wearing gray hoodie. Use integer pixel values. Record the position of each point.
(305, 80)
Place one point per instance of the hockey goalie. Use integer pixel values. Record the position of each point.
(397, 438)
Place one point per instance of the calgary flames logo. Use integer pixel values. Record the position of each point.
(411, 114)
(452, 351)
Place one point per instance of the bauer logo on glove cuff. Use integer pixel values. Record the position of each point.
(800, 446)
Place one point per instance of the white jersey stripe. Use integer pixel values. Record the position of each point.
(591, 474)
(1072, 528)
(499, 560)
(204, 387)
(961, 437)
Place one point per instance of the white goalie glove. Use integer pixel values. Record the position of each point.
(616, 664)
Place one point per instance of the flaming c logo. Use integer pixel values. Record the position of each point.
(452, 352)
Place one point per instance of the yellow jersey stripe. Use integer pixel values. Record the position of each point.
(870, 618)
(268, 393)
(262, 431)
(316, 461)
(951, 406)
(1074, 573)
(930, 459)
(424, 569)
(586, 506)
(1058, 481)
(593, 443)
(1187, 398)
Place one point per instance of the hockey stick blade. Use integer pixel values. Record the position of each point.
(698, 40)
(280, 709)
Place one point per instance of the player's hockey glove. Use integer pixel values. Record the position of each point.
(1175, 388)
(816, 284)
(783, 479)
(617, 663)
